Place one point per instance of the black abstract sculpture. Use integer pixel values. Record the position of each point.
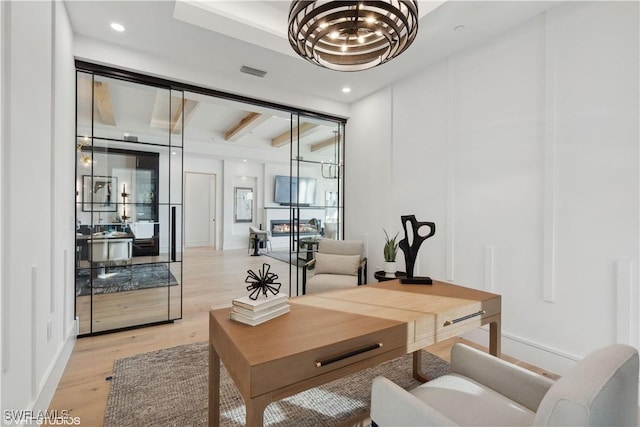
(263, 281)
(411, 249)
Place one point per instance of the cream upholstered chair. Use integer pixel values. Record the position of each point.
(264, 236)
(482, 390)
(337, 264)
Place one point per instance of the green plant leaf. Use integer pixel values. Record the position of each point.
(390, 247)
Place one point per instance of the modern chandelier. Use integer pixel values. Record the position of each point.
(352, 35)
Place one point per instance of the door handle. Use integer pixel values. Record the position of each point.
(173, 234)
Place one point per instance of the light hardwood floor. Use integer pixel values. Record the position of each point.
(210, 279)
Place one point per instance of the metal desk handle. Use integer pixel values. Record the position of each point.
(460, 319)
(347, 355)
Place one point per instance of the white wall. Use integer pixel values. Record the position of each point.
(37, 202)
(524, 152)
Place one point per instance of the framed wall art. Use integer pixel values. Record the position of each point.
(99, 193)
(243, 204)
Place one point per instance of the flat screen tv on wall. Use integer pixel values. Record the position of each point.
(291, 190)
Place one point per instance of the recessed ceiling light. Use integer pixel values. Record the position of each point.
(459, 28)
(117, 27)
(244, 160)
(346, 89)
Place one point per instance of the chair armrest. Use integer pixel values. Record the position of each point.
(362, 272)
(512, 381)
(306, 265)
(391, 405)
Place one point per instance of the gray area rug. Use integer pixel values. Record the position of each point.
(170, 387)
(120, 279)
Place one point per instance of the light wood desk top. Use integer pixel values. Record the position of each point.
(333, 334)
(424, 308)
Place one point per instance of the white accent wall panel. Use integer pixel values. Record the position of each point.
(528, 145)
(37, 225)
(419, 166)
(368, 170)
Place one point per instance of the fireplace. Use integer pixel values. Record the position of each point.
(282, 227)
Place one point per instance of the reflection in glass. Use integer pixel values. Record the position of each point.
(125, 275)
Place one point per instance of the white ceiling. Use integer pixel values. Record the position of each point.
(219, 37)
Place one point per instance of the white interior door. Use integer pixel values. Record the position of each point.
(200, 209)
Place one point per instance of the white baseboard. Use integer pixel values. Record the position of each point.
(536, 354)
(54, 374)
(199, 244)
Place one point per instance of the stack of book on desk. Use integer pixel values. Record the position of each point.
(254, 312)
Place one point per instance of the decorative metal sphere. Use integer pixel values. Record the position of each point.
(352, 35)
(262, 282)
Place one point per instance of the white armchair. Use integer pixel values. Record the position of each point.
(482, 390)
(338, 264)
(264, 238)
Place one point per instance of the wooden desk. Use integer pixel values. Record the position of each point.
(333, 334)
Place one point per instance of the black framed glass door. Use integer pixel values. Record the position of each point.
(128, 205)
(316, 186)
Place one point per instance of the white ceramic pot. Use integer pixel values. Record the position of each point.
(390, 268)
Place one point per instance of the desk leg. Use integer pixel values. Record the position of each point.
(417, 367)
(495, 336)
(214, 388)
(255, 410)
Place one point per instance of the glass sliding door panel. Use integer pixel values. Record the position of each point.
(84, 104)
(120, 198)
(175, 233)
(125, 273)
(175, 181)
(164, 234)
(175, 291)
(132, 295)
(317, 148)
(181, 110)
(118, 104)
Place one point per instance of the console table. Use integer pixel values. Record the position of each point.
(311, 346)
(308, 246)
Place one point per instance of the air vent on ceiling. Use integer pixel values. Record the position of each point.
(253, 71)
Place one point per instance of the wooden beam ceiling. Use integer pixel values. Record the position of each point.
(244, 126)
(322, 144)
(298, 132)
(178, 122)
(102, 102)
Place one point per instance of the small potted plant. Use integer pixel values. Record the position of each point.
(390, 252)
